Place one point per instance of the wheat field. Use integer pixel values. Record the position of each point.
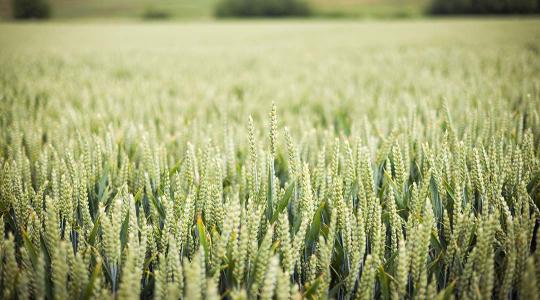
(270, 160)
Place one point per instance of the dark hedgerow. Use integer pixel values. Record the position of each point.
(262, 8)
(152, 13)
(31, 9)
(484, 7)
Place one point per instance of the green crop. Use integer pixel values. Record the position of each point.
(147, 162)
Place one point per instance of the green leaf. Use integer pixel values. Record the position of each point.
(333, 292)
(385, 279)
(138, 196)
(283, 203)
(157, 205)
(30, 249)
(47, 258)
(202, 234)
(448, 292)
(93, 233)
(89, 290)
(315, 227)
(149, 261)
(312, 289)
(124, 231)
(104, 196)
(176, 167)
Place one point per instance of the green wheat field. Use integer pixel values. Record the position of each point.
(277, 159)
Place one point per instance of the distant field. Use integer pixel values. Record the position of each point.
(369, 8)
(123, 8)
(132, 8)
(204, 8)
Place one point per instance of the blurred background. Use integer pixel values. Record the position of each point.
(209, 9)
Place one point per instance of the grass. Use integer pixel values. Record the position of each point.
(270, 159)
